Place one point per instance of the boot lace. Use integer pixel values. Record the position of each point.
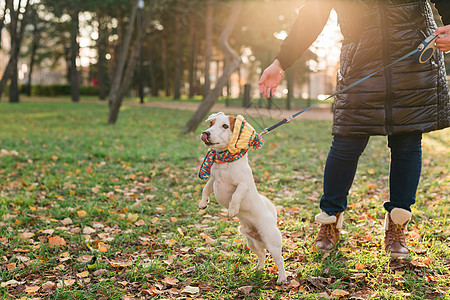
(326, 231)
(395, 233)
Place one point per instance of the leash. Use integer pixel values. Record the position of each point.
(422, 54)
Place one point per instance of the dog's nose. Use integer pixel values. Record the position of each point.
(205, 136)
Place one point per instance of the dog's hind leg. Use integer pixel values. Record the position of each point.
(273, 243)
(255, 245)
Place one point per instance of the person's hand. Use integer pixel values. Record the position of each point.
(443, 43)
(270, 79)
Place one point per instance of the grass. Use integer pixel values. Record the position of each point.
(124, 200)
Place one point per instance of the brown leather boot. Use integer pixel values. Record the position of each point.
(395, 226)
(330, 229)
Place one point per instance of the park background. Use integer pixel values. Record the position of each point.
(100, 205)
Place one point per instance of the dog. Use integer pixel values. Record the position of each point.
(234, 188)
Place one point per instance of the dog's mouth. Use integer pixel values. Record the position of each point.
(205, 139)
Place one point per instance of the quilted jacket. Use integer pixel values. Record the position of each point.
(407, 97)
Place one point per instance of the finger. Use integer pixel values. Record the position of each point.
(273, 91)
(263, 77)
(261, 89)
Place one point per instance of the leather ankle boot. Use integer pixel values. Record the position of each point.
(330, 229)
(395, 226)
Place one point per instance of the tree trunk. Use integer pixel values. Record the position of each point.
(36, 37)
(192, 54)
(164, 65)
(122, 86)
(74, 48)
(15, 49)
(101, 46)
(2, 23)
(179, 51)
(114, 92)
(209, 23)
(232, 63)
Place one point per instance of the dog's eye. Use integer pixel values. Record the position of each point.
(225, 126)
(210, 124)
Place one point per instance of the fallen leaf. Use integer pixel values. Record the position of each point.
(120, 264)
(26, 235)
(48, 231)
(48, 285)
(190, 290)
(359, 266)
(100, 272)
(11, 282)
(82, 213)
(31, 289)
(56, 241)
(293, 284)
(85, 258)
(102, 247)
(132, 217)
(245, 289)
(66, 282)
(83, 274)
(171, 281)
(88, 230)
(66, 221)
(140, 223)
(339, 293)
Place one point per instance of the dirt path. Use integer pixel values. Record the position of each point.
(316, 113)
(312, 114)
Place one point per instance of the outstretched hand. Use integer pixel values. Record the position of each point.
(270, 79)
(443, 43)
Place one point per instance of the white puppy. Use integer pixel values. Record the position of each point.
(235, 189)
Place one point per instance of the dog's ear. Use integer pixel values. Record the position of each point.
(232, 121)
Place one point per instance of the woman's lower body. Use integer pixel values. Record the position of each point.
(340, 169)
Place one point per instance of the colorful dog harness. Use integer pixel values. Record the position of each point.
(244, 137)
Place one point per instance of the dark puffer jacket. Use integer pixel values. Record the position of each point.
(407, 97)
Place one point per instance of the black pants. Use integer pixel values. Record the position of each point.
(342, 161)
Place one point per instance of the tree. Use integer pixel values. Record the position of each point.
(232, 61)
(16, 30)
(122, 76)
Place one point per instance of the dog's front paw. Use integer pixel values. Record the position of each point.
(203, 204)
(233, 211)
(282, 280)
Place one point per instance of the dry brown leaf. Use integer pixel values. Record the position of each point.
(121, 264)
(245, 289)
(48, 231)
(65, 282)
(102, 247)
(140, 223)
(31, 289)
(339, 293)
(359, 266)
(56, 241)
(26, 235)
(85, 258)
(88, 230)
(82, 213)
(83, 274)
(171, 281)
(48, 285)
(66, 221)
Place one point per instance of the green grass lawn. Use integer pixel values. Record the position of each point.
(93, 211)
